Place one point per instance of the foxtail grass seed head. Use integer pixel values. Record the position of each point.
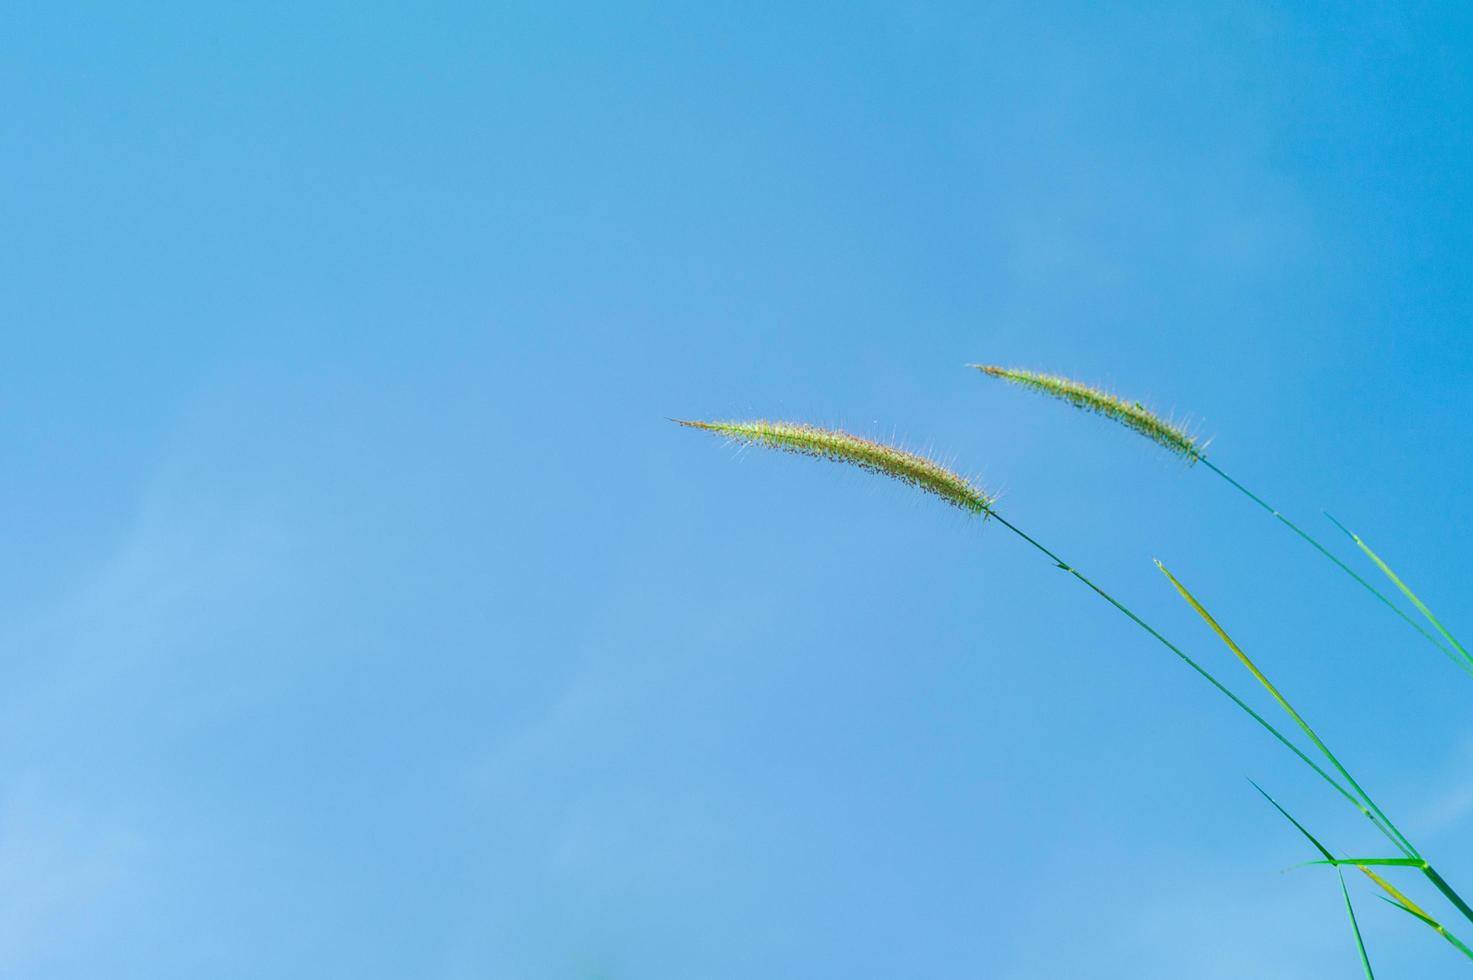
(810, 440)
(1128, 413)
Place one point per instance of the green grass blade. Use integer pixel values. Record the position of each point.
(1447, 891)
(1329, 858)
(1413, 909)
(1405, 590)
(1360, 945)
(1417, 863)
(1401, 842)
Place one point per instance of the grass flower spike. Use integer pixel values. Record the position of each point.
(1131, 414)
(810, 440)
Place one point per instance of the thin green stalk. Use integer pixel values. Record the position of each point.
(1360, 945)
(1385, 600)
(1406, 591)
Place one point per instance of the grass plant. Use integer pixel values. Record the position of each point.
(931, 477)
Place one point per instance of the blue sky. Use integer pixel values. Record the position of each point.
(366, 618)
